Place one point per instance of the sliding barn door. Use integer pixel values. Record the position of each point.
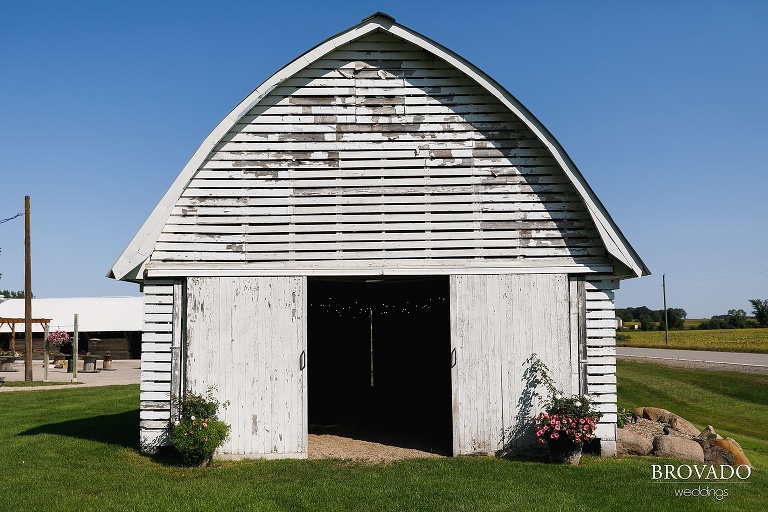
(246, 338)
(497, 322)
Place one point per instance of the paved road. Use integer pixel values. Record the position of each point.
(735, 361)
(126, 371)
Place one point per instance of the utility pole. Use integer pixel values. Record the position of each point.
(666, 320)
(27, 294)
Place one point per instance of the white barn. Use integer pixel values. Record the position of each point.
(382, 230)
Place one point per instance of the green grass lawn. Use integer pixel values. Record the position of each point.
(76, 449)
(723, 340)
(37, 384)
(735, 404)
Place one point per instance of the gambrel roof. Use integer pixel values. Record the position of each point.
(133, 262)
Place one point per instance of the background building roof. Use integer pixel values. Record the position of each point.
(95, 314)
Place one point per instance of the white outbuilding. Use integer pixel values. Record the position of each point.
(380, 234)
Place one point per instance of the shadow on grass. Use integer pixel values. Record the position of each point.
(118, 429)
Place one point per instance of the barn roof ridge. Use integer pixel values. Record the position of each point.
(131, 263)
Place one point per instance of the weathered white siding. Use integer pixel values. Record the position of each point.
(497, 322)
(156, 354)
(601, 355)
(378, 155)
(246, 341)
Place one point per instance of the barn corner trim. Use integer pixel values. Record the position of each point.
(132, 262)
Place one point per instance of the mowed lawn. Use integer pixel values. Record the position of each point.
(76, 449)
(722, 340)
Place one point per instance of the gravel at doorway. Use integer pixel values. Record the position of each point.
(329, 446)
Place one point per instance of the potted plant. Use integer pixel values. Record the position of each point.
(7, 358)
(198, 433)
(567, 422)
(61, 340)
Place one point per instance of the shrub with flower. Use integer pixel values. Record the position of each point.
(198, 432)
(567, 419)
(59, 338)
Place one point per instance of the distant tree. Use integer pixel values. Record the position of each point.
(646, 323)
(714, 323)
(625, 314)
(676, 318)
(642, 311)
(760, 310)
(737, 318)
(12, 295)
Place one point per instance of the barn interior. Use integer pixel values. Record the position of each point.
(378, 352)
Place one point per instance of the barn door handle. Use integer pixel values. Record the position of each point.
(303, 360)
(453, 357)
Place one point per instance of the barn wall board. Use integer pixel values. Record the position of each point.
(497, 323)
(246, 342)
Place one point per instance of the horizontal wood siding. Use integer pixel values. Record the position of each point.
(601, 355)
(156, 354)
(497, 322)
(378, 155)
(246, 341)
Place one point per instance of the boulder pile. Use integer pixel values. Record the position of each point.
(661, 433)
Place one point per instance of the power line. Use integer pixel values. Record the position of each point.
(11, 218)
(698, 280)
(722, 277)
(717, 265)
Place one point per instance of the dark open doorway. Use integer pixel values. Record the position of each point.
(379, 360)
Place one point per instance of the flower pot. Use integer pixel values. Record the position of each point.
(58, 359)
(564, 451)
(6, 363)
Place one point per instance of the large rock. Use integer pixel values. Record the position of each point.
(717, 455)
(657, 414)
(684, 426)
(674, 447)
(632, 443)
(709, 433)
(732, 446)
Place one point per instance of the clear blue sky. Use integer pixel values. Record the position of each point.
(662, 105)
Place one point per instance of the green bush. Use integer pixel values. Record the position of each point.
(198, 432)
(622, 417)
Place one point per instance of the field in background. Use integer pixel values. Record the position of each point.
(722, 340)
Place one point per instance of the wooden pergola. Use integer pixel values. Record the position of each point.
(44, 323)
